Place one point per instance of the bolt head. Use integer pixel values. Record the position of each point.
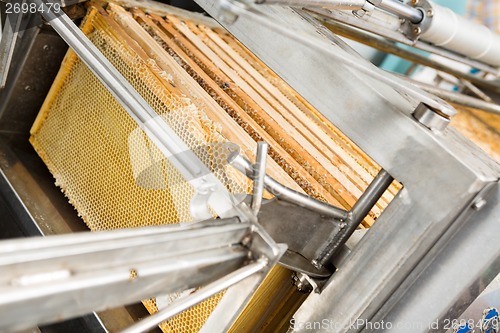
(479, 204)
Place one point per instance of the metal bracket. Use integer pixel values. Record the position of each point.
(311, 258)
(49, 279)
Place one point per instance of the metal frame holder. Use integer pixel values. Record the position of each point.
(57, 277)
(442, 172)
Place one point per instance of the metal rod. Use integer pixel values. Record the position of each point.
(389, 47)
(402, 10)
(336, 4)
(258, 180)
(475, 90)
(356, 215)
(361, 31)
(8, 43)
(456, 98)
(197, 297)
(286, 194)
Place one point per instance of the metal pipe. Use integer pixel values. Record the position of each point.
(458, 34)
(343, 29)
(456, 98)
(332, 4)
(415, 15)
(197, 297)
(356, 215)
(353, 28)
(286, 194)
(260, 173)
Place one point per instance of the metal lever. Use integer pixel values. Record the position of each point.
(198, 296)
(356, 215)
(49, 279)
(259, 174)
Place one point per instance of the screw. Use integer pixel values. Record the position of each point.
(417, 30)
(300, 281)
(46, 47)
(430, 13)
(27, 88)
(359, 13)
(414, 2)
(246, 241)
(479, 204)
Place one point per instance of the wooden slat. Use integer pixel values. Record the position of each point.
(300, 175)
(325, 144)
(243, 100)
(273, 120)
(344, 144)
(186, 84)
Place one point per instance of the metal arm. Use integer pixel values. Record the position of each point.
(49, 279)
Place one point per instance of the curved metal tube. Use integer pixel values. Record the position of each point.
(286, 194)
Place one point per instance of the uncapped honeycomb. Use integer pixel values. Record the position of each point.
(115, 177)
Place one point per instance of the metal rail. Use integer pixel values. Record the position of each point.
(46, 279)
(197, 297)
(400, 9)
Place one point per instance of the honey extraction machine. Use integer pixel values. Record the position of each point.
(260, 174)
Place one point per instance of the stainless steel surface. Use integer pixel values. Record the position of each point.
(285, 193)
(356, 215)
(401, 9)
(305, 232)
(153, 125)
(489, 299)
(48, 279)
(8, 42)
(430, 119)
(259, 174)
(337, 4)
(37, 60)
(441, 172)
(458, 273)
(197, 297)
